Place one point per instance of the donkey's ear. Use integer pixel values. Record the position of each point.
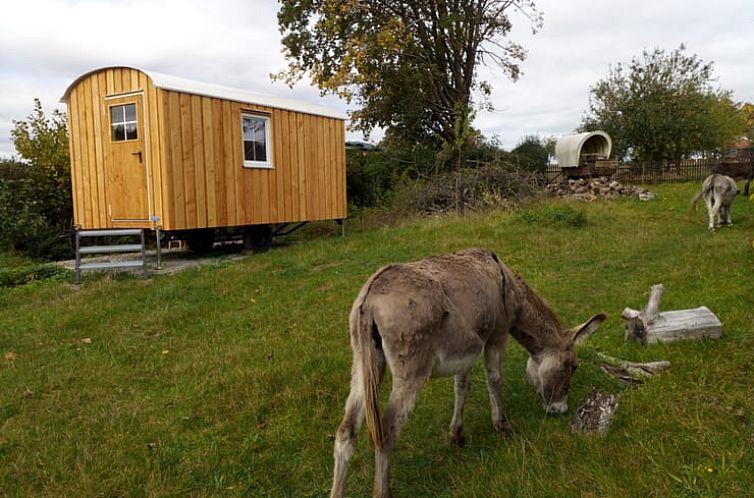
(588, 328)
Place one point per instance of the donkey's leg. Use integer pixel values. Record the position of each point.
(348, 430)
(725, 213)
(709, 201)
(493, 360)
(402, 400)
(717, 213)
(460, 389)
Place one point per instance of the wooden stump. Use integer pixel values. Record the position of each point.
(596, 413)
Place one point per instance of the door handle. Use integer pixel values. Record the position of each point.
(137, 154)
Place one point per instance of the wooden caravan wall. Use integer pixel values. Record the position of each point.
(206, 185)
(88, 127)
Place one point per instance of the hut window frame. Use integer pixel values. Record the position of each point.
(250, 158)
(124, 124)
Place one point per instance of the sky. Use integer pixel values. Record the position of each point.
(46, 44)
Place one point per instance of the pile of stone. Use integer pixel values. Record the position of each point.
(589, 189)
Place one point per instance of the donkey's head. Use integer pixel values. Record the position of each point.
(551, 369)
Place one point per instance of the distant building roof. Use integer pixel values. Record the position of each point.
(743, 143)
(359, 145)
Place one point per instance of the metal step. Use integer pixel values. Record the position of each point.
(137, 263)
(109, 249)
(114, 232)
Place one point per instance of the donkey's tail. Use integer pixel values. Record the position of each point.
(695, 199)
(368, 340)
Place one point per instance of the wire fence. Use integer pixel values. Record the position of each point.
(665, 172)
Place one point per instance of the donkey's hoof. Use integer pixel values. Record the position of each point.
(504, 427)
(457, 438)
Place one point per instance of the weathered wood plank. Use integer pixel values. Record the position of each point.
(651, 326)
(696, 323)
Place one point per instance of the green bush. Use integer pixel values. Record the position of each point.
(25, 216)
(369, 177)
(531, 154)
(36, 207)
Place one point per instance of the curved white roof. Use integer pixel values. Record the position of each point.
(569, 148)
(174, 83)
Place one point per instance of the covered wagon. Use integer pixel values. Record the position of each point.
(585, 154)
(158, 152)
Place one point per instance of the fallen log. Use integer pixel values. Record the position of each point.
(650, 325)
(630, 372)
(595, 413)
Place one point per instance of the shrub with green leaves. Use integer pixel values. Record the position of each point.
(36, 204)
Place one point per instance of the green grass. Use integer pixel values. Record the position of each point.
(229, 380)
(16, 270)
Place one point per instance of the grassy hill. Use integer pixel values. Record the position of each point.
(229, 380)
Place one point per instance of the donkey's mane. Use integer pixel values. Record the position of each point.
(537, 324)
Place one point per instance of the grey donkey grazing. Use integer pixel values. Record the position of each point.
(718, 192)
(435, 317)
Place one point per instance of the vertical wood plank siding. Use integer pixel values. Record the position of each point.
(307, 181)
(195, 152)
(89, 131)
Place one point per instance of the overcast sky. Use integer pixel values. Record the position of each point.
(46, 44)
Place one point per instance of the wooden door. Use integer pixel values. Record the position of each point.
(126, 159)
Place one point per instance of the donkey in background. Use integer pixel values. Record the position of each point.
(737, 169)
(718, 192)
(435, 317)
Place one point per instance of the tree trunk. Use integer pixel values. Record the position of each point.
(459, 195)
(459, 184)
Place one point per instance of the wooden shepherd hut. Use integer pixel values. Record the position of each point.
(158, 152)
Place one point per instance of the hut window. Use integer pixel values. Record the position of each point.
(256, 141)
(123, 122)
